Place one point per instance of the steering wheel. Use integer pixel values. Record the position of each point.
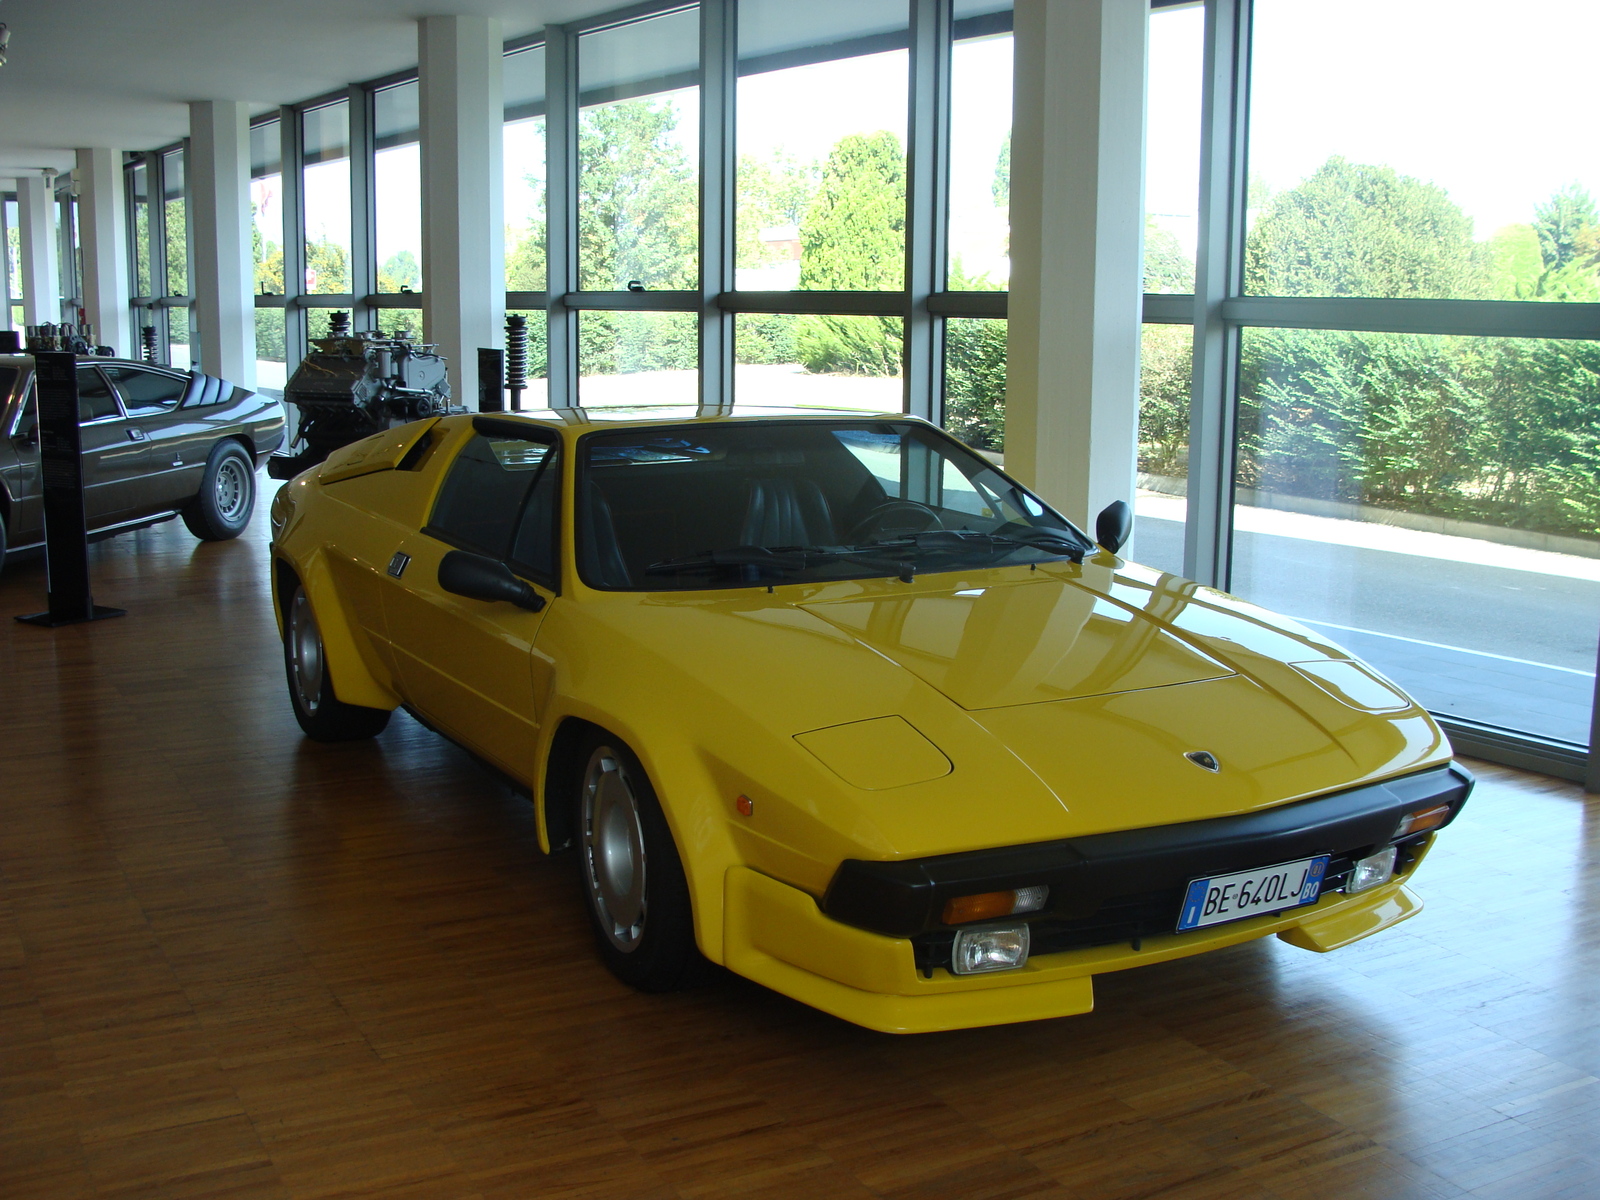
(912, 518)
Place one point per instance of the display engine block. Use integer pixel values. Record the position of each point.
(356, 384)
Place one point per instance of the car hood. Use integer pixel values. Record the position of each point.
(1013, 706)
(1028, 641)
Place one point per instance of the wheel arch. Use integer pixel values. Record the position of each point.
(352, 682)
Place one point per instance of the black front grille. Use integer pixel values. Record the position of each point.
(1117, 919)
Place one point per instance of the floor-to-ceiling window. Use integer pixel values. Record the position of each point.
(266, 244)
(523, 157)
(397, 203)
(1405, 358)
(158, 247)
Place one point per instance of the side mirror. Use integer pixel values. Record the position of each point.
(1113, 525)
(480, 578)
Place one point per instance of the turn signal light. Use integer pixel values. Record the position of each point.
(1427, 818)
(988, 905)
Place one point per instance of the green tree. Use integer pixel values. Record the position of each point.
(1358, 230)
(1166, 267)
(853, 239)
(327, 266)
(399, 270)
(1562, 222)
(1165, 366)
(774, 192)
(1000, 185)
(975, 381)
(637, 199)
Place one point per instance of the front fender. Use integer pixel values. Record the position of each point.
(353, 682)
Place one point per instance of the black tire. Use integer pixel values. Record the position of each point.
(221, 508)
(323, 716)
(2, 543)
(633, 884)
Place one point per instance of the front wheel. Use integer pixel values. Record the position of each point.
(322, 715)
(227, 496)
(633, 882)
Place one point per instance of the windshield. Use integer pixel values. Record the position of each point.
(746, 503)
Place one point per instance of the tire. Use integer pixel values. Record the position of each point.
(2, 543)
(227, 496)
(323, 716)
(633, 884)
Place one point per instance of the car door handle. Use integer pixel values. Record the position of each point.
(136, 435)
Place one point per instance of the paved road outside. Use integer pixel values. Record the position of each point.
(1473, 629)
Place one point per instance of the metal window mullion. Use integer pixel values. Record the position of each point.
(561, 212)
(156, 177)
(363, 208)
(5, 265)
(927, 203)
(196, 360)
(718, 178)
(1208, 529)
(294, 238)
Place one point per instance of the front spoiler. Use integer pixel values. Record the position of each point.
(777, 936)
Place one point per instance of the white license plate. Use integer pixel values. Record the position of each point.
(1250, 893)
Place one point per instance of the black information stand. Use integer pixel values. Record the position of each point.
(66, 541)
(491, 380)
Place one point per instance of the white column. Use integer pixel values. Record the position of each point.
(1077, 234)
(463, 234)
(103, 247)
(36, 226)
(219, 215)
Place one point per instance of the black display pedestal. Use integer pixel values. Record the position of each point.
(66, 542)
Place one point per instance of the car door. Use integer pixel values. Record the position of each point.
(174, 444)
(469, 666)
(19, 456)
(114, 453)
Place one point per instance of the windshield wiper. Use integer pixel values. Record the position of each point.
(773, 558)
(959, 541)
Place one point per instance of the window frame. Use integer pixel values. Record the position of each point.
(488, 428)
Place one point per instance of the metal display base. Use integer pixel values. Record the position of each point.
(49, 620)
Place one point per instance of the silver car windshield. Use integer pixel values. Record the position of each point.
(748, 503)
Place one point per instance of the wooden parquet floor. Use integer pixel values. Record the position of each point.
(234, 963)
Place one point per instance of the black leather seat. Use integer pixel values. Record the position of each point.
(787, 512)
(600, 559)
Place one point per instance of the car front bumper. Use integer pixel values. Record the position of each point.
(778, 936)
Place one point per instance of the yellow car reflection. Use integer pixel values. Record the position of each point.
(830, 700)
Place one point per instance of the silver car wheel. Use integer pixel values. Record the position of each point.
(305, 653)
(231, 489)
(613, 850)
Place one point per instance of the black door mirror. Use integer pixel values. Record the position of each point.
(1113, 525)
(480, 578)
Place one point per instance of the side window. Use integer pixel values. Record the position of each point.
(145, 392)
(95, 399)
(27, 424)
(499, 499)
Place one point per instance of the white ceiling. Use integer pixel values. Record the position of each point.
(120, 73)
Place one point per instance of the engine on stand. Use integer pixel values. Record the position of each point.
(356, 384)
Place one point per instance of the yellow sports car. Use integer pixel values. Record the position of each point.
(830, 700)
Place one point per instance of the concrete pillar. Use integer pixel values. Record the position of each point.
(1077, 245)
(41, 274)
(103, 247)
(463, 235)
(219, 217)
